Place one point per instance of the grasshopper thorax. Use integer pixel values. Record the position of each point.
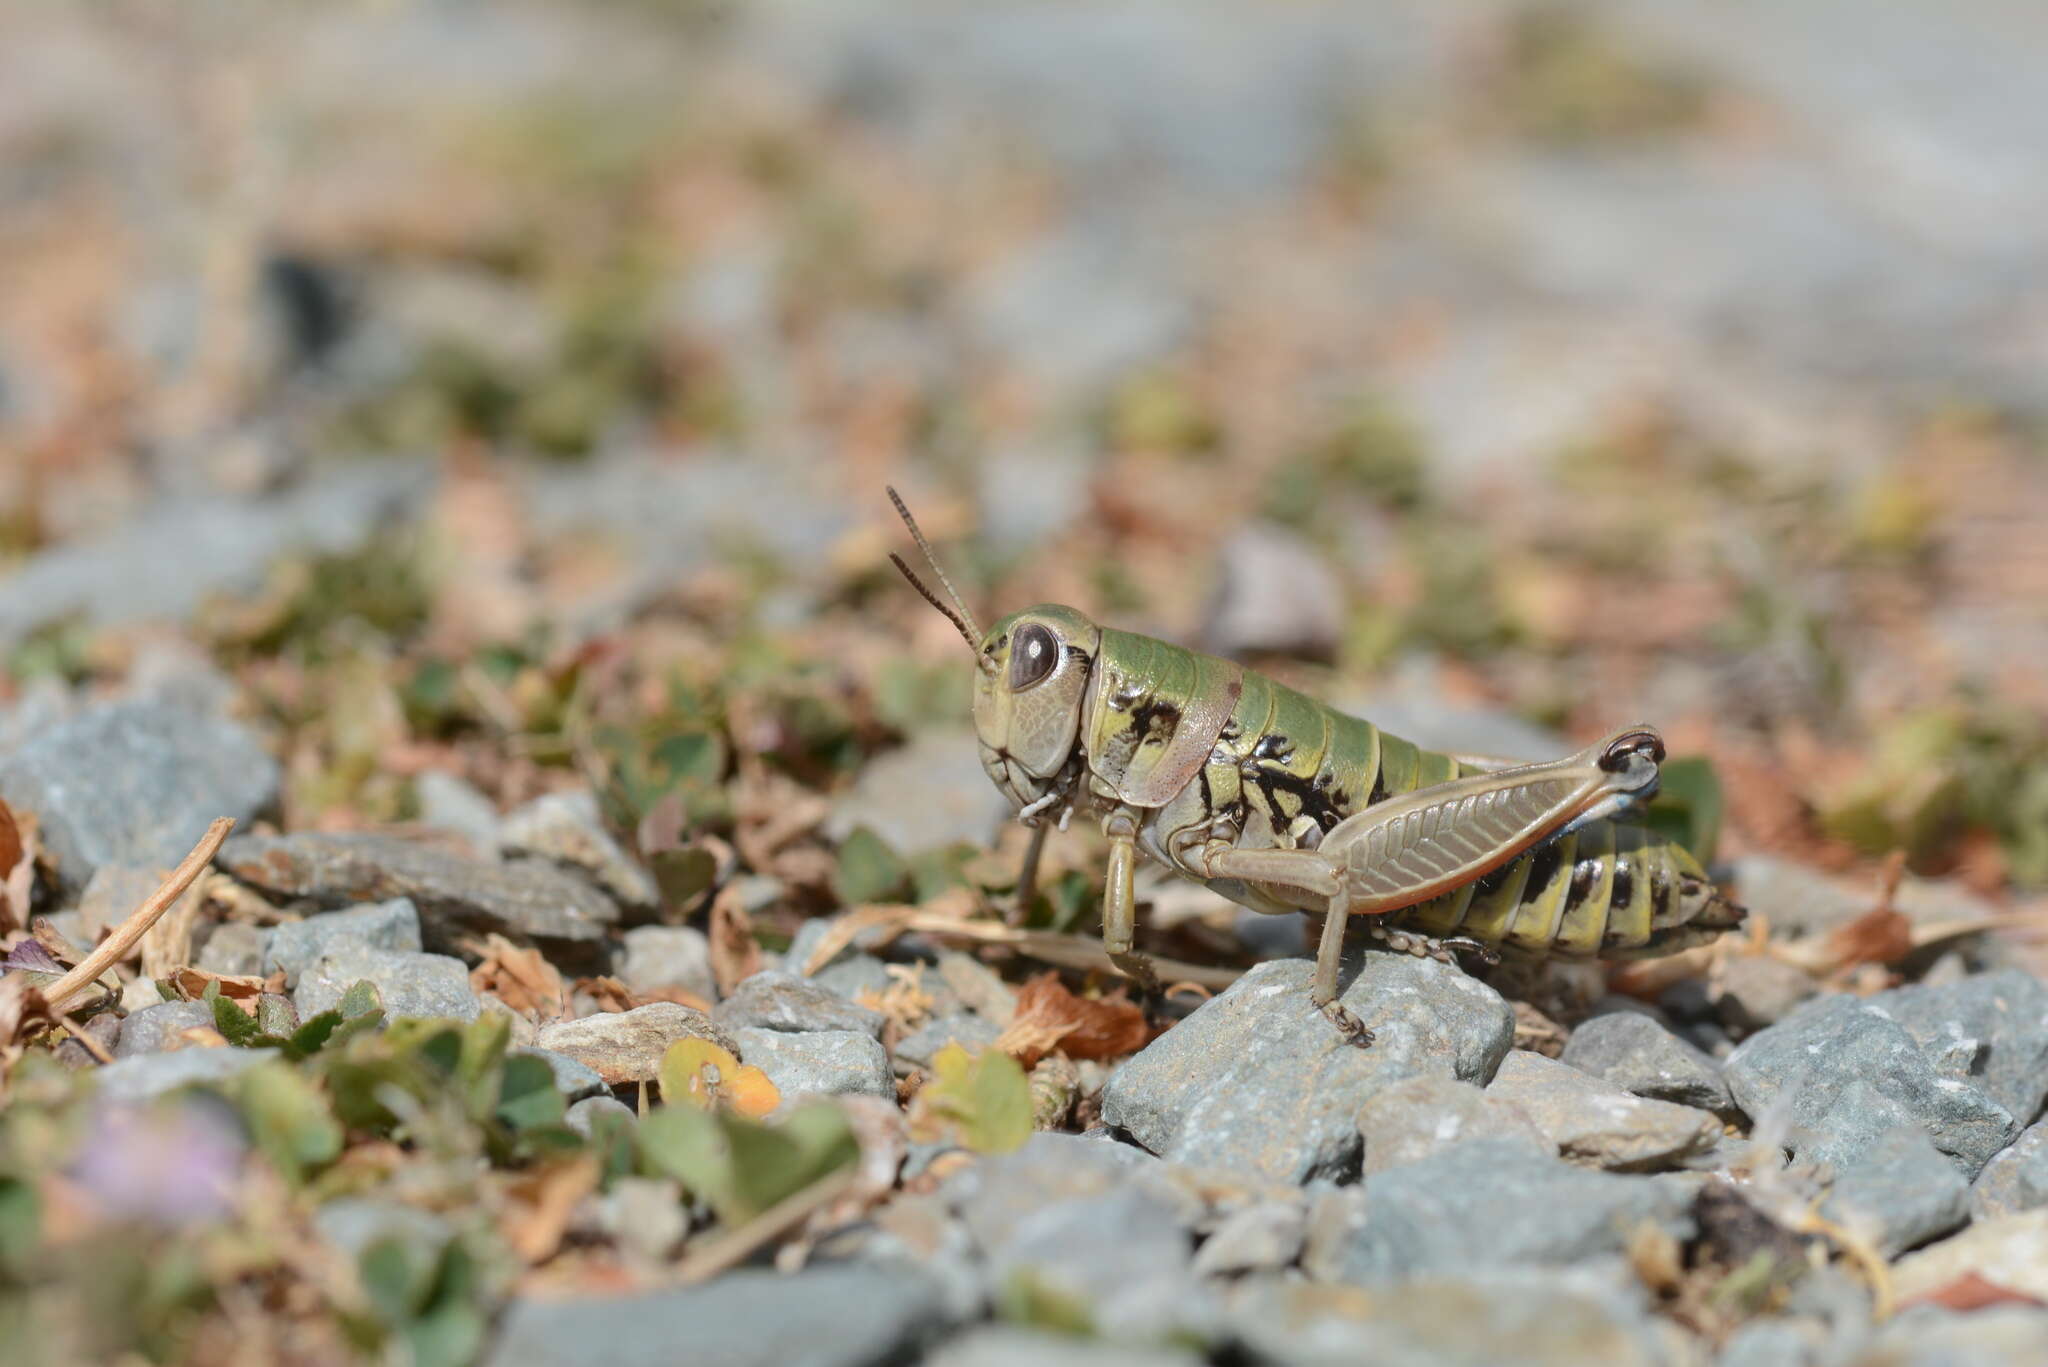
(1030, 691)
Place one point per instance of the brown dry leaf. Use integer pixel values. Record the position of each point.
(17, 869)
(520, 977)
(1050, 1017)
(735, 956)
(168, 944)
(240, 989)
(850, 926)
(22, 1009)
(905, 1002)
(1971, 1291)
(608, 994)
(1879, 936)
(543, 1203)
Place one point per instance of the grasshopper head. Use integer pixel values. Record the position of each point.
(1029, 691)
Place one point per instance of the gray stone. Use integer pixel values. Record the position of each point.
(135, 784)
(584, 1116)
(1276, 593)
(773, 1000)
(1094, 1224)
(1541, 1317)
(233, 949)
(353, 1223)
(110, 897)
(626, 1046)
(1258, 1080)
(455, 897)
(976, 986)
(963, 1028)
(851, 975)
(1842, 1073)
(120, 577)
(295, 946)
(1996, 1336)
(155, 1029)
(567, 828)
(2009, 1251)
(820, 1061)
(925, 796)
(449, 803)
(1796, 898)
(1006, 1346)
(995, 1195)
(2016, 1179)
(141, 1077)
(668, 956)
(1989, 1031)
(1632, 1051)
(428, 985)
(1595, 1122)
(1900, 1192)
(646, 1217)
(1773, 1343)
(575, 1080)
(1757, 991)
(1499, 1203)
(1257, 1238)
(103, 1029)
(850, 1315)
(1410, 1120)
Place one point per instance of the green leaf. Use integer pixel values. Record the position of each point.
(288, 1119)
(236, 1026)
(527, 1096)
(934, 871)
(742, 1167)
(773, 1162)
(21, 1221)
(1688, 805)
(274, 1015)
(361, 999)
(869, 871)
(312, 1035)
(683, 874)
(690, 1146)
(985, 1097)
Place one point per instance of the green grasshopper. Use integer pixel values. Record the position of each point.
(1281, 804)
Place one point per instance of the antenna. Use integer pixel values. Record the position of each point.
(958, 614)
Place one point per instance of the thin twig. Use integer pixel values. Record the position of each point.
(736, 1245)
(86, 1041)
(116, 946)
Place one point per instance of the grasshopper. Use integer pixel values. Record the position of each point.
(1282, 803)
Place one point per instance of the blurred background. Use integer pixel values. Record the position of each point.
(509, 389)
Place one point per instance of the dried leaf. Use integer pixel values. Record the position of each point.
(543, 1203)
(1050, 1017)
(1879, 936)
(22, 1008)
(1972, 1291)
(735, 956)
(243, 990)
(29, 956)
(851, 926)
(607, 994)
(14, 855)
(520, 977)
(702, 1074)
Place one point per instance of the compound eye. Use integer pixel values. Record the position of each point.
(1626, 746)
(1033, 653)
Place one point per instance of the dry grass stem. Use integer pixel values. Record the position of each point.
(116, 946)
